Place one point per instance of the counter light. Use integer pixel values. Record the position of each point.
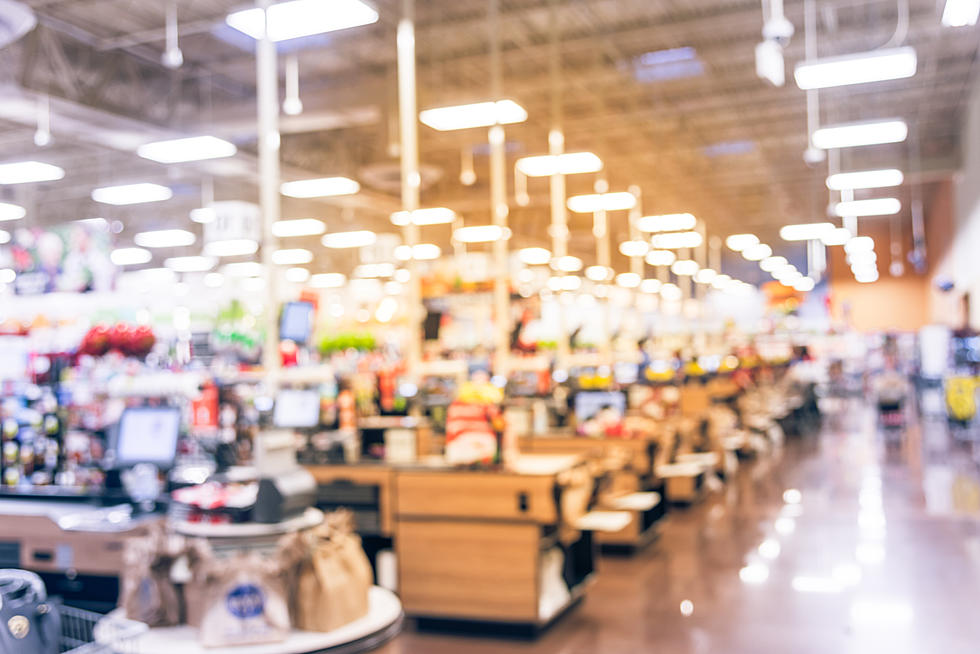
(660, 257)
(671, 222)
(130, 256)
(839, 236)
(291, 256)
(593, 202)
(190, 263)
(599, 273)
(165, 238)
(320, 187)
(428, 216)
(961, 13)
(328, 280)
(194, 148)
(132, 194)
(757, 252)
(770, 264)
(298, 227)
(705, 276)
(236, 247)
(481, 234)
(242, 269)
(534, 256)
(851, 135)
(297, 275)
(865, 179)
(738, 242)
(676, 240)
(634, 248)
(684, 267)
(628, 280)
(872, 207)
(567, 263)
(859, 68)
(291, 20)
(569, 163)
(27, 172)
(10, 211)
(356, 239)
(478, 114)
(805, 231)
(671, 292)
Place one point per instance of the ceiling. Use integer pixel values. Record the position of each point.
(707, 136)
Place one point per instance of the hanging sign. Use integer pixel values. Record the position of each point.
(233, 220)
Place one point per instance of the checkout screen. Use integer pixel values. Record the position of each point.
(148, 436)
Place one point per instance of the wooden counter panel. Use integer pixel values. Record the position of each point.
(476, 496)
(636, 452)
(469, 570)
(380, 476)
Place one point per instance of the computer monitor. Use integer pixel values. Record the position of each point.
(297, 409)
(589, 403)
(296, 323)
(148, 435)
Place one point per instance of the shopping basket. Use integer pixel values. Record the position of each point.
(87, 632)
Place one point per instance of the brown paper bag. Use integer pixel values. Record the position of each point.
(245, 602)
(148, 595)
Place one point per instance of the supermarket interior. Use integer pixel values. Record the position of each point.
(548, 326)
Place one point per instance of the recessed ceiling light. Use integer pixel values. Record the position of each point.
(26, 172)
(298, 18)
(321, 187)
(872, 207)
(165, 238)
(478, 114)
(569, 163)
(961, 13)
(194, 148)
(124, 194)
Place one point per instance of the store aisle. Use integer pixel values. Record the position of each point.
(845, 543)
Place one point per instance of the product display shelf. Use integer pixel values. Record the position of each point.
(382, 623)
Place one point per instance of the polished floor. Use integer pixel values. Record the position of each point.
(848, 541)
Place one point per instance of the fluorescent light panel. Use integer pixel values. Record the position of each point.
(676, 240)
(10, 211)
(428, 216)
(194, 148)
(865, 179)
(165, 238)
(684, 267)
(27, 172)
(660, 257)
(478, 114)
(599, 273)
(839, 236)
(769, 264)
(139, 193)
(242, 269)
(190, 263)
(858, 244)
(328, 280)
(203, 215)
(130, 256)
(298, 18)
(757, 252)
(851, 135)
(569, 163)
(961, 13)
(738, 242)
(4, 237)
(355, 239)
(672, 222)
(298, 227)
(873, 207)
(320, 187)
(231, 248)
(593, 202)
(567, 263)
(297, 275)
(481, 234)
(291, 256)
(628, 280)
(534, 256)
(634, 248)
(805, 231)
(860, 68)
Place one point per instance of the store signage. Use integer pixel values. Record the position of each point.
(234, 220)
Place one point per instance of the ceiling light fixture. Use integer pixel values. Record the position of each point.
(770, 264)
(356, 239)
(859, 243)
(873, 207)
(374, 270)
(961, 13)
(190, 263)
(865, 179)
(297, 275)
(429, 216)
(481, 234)
(804, 284)
(671, 222)
(426, 251)
(203, 215)
(720, 282)
(628, 280)
(634, 248)
(859, 68)
(757, 252)
(243, 269)
(28, 172)
(705, 276)
(478, 114)
(328, 280)
(237, 247)
(130, 256)
(650, 285)
(684, 267)
(291, 256)
(660, 257)
(676, 240)
(671, 292)
(738, 242)
(10, 211)
(839, 236)
(569, 163)
(298, 227)
(193, 148)
(593, 202)
(124, 194)
(4, 237)
(320, 187)
(857, 134)
(165, 238)
(567, 263)
(805, 231)
(297, 18)
(534, 256)
(599, 273)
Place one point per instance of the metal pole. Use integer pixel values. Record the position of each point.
(267, 92)
(498, 207)
(556, 147)
(600, 229)
(411, 180)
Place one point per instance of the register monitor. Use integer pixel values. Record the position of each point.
(297, 409)
(148, 435)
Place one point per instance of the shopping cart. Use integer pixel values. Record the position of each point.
(86, 632)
